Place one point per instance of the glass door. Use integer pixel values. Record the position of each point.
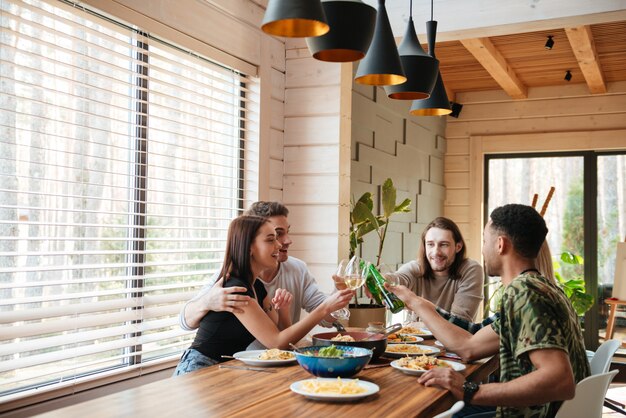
(586, 218)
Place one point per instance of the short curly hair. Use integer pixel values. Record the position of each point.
(267, 209)
(524, 226)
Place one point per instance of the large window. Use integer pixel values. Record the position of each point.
(121, 165)
(586, 216)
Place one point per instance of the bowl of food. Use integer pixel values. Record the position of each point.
(376, 341)
(333, 360)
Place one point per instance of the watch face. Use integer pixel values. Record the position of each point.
(469, 389)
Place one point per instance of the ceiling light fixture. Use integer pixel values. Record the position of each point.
(437, 104)
(568, 75)
(420, 68)
(549, 42)
(294, 18)
(351, 29)
(381, 65)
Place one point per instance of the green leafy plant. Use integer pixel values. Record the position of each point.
(574, 287)
(363, 221)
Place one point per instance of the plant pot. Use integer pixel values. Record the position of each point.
(363, 314)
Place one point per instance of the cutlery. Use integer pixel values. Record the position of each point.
(296, 349)
(386, 331)
(254, 369)
(225, 356)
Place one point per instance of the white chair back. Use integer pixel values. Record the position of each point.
(453, 410)
(589, 398)
(601, 360)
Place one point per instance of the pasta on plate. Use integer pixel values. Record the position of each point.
(338, 386)
(276, 354)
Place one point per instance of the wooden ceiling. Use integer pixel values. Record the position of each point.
(594, 54)
(499, 45)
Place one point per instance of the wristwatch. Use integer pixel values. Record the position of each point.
(469, 390)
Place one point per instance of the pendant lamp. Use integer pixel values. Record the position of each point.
(437, 104)
(381, 66)
(420, 68)
(351, 30)
(294, 18)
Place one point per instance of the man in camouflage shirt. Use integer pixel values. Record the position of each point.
(537, 334)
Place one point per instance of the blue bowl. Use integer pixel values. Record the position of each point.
(352, 361)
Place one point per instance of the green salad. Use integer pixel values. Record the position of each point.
(330, 351)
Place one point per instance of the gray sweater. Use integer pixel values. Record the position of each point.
(461, 296)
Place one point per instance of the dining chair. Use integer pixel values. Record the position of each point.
(453, 410)
(601, 360)
(589, 397)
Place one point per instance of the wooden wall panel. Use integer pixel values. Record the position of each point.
(312, 101)
(311, 130)
(552, 119)
(312, 160)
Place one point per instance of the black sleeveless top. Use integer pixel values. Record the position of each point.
(221, 333)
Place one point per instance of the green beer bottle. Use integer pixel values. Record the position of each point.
(376, 284)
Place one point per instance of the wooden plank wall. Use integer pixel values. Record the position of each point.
(551, 119)
(311, 174)
(387, 142)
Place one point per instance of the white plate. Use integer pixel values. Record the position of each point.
(370, 389)
(432, 351)
(423, 332)
(251, 357)
(438, 343)
(456, 366)
(414, 337)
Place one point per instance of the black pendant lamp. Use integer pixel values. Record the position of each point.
(420, 68)
(351, 30)
(294, 18)
(437, 104)
(381, 66)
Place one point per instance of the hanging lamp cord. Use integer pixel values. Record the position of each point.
(431, 9)
(410, 9)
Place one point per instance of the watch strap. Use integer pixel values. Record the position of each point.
(469, 390)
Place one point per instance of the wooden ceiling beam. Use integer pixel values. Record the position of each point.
(581, 40)
(496, 65)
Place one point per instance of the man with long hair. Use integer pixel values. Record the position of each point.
(442, 272)
(537, 334)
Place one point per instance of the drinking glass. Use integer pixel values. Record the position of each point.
(350, 274)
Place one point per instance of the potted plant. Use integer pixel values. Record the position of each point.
(362, 222)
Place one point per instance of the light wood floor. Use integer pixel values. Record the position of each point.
(616, 392)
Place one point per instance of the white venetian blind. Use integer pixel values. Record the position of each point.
(122, 161)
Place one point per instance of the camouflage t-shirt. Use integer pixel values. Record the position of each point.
(536, 314)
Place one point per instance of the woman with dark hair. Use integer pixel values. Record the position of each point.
(442, 273)
(251, 248)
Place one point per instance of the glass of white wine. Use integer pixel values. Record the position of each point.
(351, 275)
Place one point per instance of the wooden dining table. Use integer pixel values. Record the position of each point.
(225, 392)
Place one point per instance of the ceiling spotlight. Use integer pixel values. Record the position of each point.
(549, 42)
(568, 75)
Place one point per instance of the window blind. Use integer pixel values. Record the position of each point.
(123, 159)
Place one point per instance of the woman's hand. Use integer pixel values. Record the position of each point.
(282, 299)
(338, 300)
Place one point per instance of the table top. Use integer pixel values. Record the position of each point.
(218, 391)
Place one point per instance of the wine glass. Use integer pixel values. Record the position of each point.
(351, 275)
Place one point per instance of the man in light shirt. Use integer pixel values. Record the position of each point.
(291, 274)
